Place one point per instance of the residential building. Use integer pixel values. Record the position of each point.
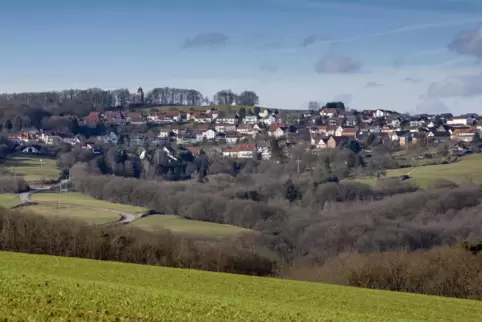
(225, 127)
(113, 117)
(243, 151)
(402, 137)
(250, 119)
(465, 134)
(329, 112)
(92, 119)
(135, 118)
(165, 133)
(209, 134)
(227, 118)
(110, 138)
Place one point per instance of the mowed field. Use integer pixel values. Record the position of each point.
(7, 200)
(467, 169)
(80, 206)
(90, 216)
(39, 288)
(32, 168)
(79, 199)
(180, 225)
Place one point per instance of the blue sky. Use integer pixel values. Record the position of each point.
(405, 55)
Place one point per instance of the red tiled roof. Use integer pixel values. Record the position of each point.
(194, 149)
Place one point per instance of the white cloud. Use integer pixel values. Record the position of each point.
(468, 42)
(463, 86)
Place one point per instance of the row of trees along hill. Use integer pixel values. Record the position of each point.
(29, 108)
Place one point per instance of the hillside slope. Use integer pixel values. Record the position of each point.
(37, 287)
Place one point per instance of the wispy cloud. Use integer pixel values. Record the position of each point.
(373, 84)
(268, 68)
(311, 39)
(442, 6)
(401, 30)
(208, 39)
(337, 64)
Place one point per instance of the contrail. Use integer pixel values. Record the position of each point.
(394, 31)
(399, 31)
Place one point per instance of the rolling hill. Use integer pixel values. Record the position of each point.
(39, 287)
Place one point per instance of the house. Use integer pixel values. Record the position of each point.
(49, 137)
(165, 133)
(403, 137)
(348, 132)
(462, 120)
(231, 138)
(246, 129)
(264, 113)
(69, 138)
(351, 121)
(250, 119)
(92, 119)
(227, 118)
(465, 134)
(113, 117)
(381, 113)
(29, 134)
(110, 138)
(243, 151)
(277, 130)
(200, 117)
(269, 120)
(92, 147)
(345, 131)
(135, 118)
(319, 141)
(263, 149)
(31, 150)
(335, 141)
(329, 112)
(194, 150)
(187, 138)
(175, 116)
(225, 127)
(179, 130)
(394, 120)
(209, 134)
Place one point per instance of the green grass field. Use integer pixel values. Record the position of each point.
(467, 169)
(39, 288)
(92, 217)
(7, 200)
(190, 227)
(79, 199)
(32, 168)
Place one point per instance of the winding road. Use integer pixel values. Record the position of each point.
(25, 201)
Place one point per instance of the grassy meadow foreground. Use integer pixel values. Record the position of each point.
(467, 169)
(39, 287)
